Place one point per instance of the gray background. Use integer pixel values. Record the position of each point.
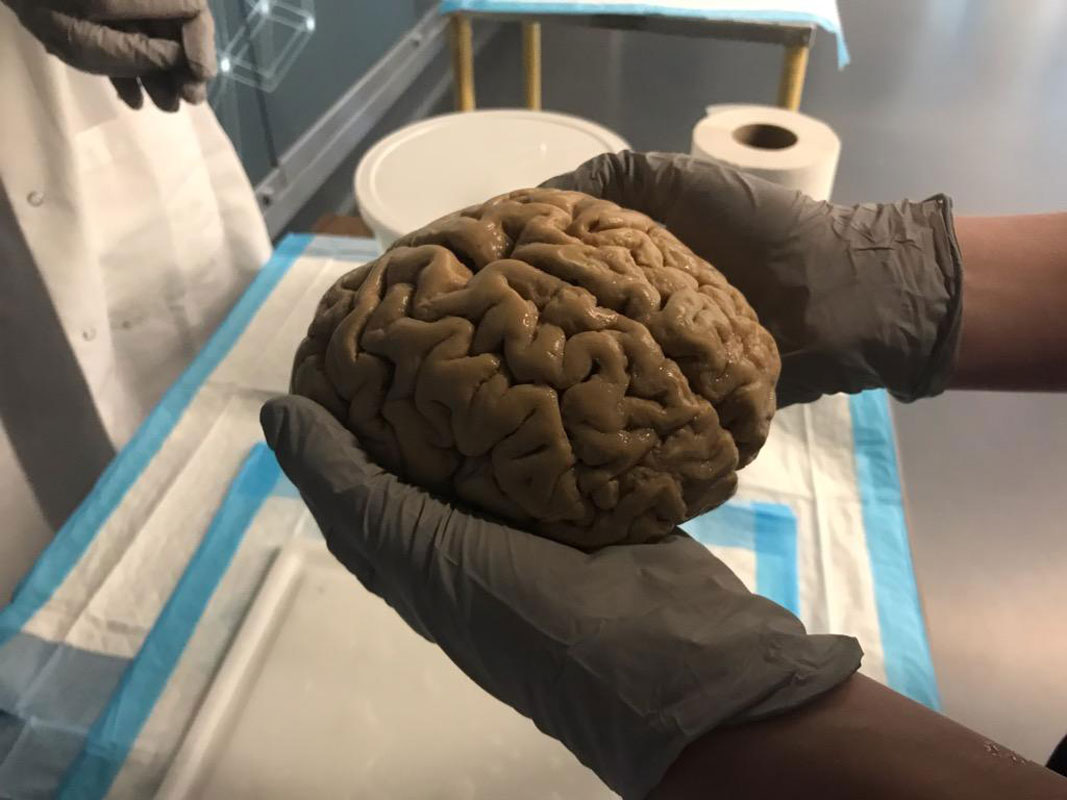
(349, 37)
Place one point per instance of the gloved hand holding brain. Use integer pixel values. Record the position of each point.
(552, 359)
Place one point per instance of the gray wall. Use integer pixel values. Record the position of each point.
(349, 37)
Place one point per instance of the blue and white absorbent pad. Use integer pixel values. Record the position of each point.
(111, 642)
(822, 13)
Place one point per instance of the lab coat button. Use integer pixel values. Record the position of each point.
(89, 333)
(35, 198)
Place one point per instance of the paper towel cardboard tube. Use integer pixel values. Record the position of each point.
(786, 147)
(765, 137)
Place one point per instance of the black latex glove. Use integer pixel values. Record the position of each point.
(166, 47)
(625, 655)
(856, 297)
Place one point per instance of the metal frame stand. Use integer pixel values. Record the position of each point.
(796, 39)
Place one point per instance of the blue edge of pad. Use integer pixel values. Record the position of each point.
(109, 740)
(767, 528)
(908, 666)
(638, 8)
(74, 537)
(117, 726)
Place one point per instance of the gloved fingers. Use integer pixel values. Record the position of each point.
(198, 42)
(313, 447)
(129, 91)
(337, 483)
(566, 181)
(186, 82)
(162, 87)
(344, 550)
(364, 510)
(682, 192)
(434, 559)
(102, 49)
(334, 475)
(370, 578)
(192, 91)
(131, 10)
(645, 182)
(599, 176)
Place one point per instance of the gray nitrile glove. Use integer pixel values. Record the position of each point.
(625, 655)
(856, 297)
(166, 46)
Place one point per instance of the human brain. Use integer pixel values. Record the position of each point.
(550, 358)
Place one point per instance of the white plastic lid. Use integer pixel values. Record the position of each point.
(439, 165)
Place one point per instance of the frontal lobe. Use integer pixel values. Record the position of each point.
(553, 359)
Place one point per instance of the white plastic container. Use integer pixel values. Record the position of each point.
(439, 165)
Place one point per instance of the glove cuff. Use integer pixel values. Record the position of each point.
(813, 665)
(933, 379)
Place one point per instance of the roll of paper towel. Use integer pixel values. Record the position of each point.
(786, 147)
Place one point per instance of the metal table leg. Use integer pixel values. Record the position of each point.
(794, 68)
(531, 63)
(462, 61)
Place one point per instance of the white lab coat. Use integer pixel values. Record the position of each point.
(125, 236)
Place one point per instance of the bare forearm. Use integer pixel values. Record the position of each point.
(861, 740)
(1014, 303)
